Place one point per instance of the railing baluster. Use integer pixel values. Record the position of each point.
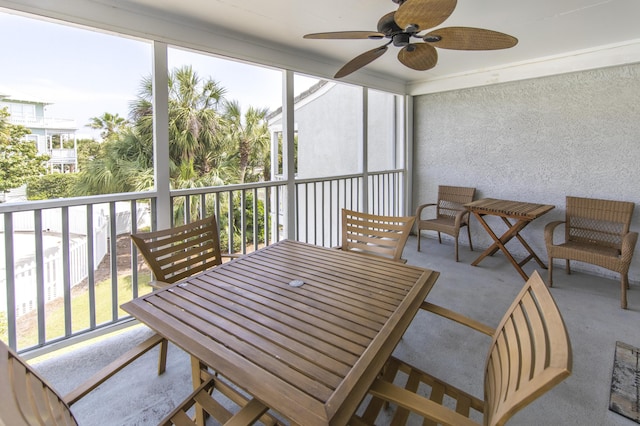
(91, 279)
(66, 278)
(243, 220)
(134, 252)
(255, 217)
(10, 274)
(277, 214)
(113, 244)
(40, 293)
(230, 221)
(267, 207)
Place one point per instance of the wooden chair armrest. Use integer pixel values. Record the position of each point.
(549, 229)
(459, 318)
(118, 364)
(232, 255)
(418, 404)
(157, 285)
(422, 207)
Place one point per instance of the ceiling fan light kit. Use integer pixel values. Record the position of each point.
(411, 18)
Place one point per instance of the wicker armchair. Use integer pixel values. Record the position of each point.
(450, 214)
(596, 232)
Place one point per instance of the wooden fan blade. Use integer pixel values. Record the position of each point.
(360, 61)
(423, 56)
(346, 35)
(467, 38)
(424, 14)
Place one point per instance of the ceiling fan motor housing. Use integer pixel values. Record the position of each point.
(401, 39)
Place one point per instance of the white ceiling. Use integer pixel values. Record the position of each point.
(555, 36)
(544, 28)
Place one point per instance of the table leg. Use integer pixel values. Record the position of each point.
(532, 254)
(196, 378)
(499, 243)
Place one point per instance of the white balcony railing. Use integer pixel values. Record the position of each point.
(44, 122)
(67, 265)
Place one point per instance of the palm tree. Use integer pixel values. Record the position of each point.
(206, 146)
(126, 166)
(249, 135)
(110, 124)
(194, 118)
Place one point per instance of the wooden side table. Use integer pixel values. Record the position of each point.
(516, 215)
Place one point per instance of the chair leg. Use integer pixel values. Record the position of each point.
(624, 282)
(439, 238)
(456, 248)
(550, 269)
(162, 356)
(469, 234)
(568, 267)
(418, 239)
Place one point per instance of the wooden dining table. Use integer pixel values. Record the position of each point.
(303, 329)
(516, 215)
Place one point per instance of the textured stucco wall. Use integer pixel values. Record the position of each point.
(535, 140)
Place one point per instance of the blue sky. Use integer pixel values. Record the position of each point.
(85, 73)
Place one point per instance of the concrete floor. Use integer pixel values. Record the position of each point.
(590, 306)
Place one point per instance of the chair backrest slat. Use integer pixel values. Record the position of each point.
(530, 353)
(374, 234)
(176, 253)
(25, 397)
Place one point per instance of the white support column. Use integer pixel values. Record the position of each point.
(409, 166)
(161, 134)
(288, 142)
(365, 150)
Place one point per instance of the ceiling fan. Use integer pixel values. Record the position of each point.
(411, 18)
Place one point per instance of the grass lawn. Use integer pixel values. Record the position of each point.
(54, 311)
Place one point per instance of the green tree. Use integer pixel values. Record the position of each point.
(249, 138)
(125, 166)
(194, 119)
(88, 151)
(197, 154)
(55, 185)
(110, 124)
(19, 159)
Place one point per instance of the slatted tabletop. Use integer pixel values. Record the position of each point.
(309, 352)
(506, 208)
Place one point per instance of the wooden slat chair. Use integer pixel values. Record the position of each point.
(596, 232)
(450, 214)
(26, 399)
(376, 235)
(529, 354)
(177, 253)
